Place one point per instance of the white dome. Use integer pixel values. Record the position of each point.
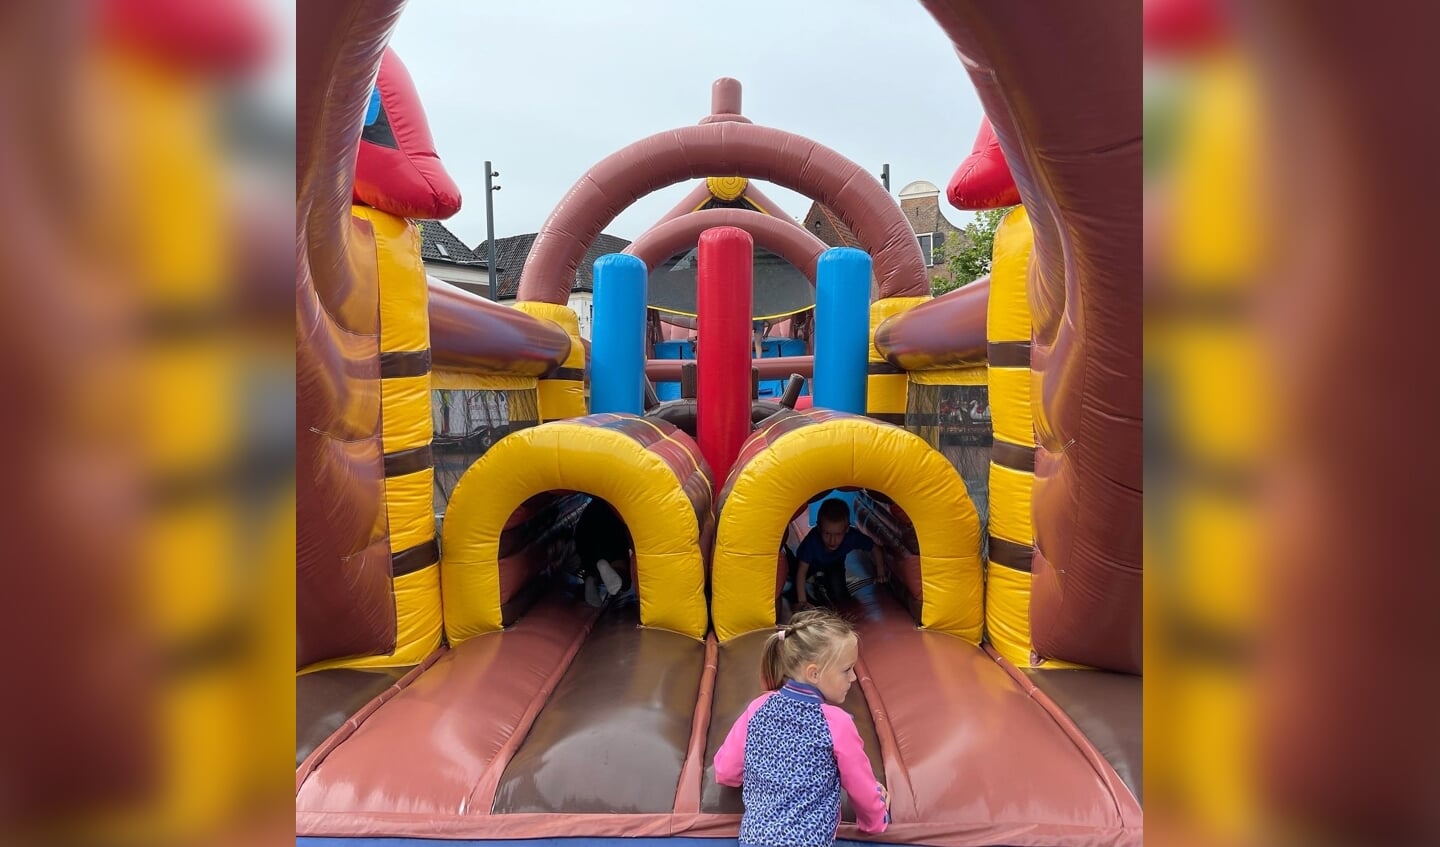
(919, 188)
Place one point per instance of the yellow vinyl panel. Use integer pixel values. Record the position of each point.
(417, 624)
(1008, 317)
(449, 380)
(887, 394)
(405, 405)
(404, 291)
(561, 398)
(1010, 514)
(1010, 412)
(951, 376)
(1007, 612)
(410, 500)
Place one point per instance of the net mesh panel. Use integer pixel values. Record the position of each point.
(955, 420)
(467, 422)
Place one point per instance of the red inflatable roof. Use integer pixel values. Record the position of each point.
(398, 170)
(983, 180)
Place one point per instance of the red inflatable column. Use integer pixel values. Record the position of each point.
(722, 359)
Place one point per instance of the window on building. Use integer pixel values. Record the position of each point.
(443, 251)
(927, 247)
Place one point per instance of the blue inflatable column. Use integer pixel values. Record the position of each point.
(617, 344)
(842, 338)
(842, 329)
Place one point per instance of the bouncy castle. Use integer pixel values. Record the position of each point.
(450, 687)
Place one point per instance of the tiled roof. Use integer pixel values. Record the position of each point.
(828, 227)
(438, 244)
(511, 252)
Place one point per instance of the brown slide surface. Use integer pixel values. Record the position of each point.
(325, 699)
(433, 749)
(1107, 708)
(973, 751)
(614, 735)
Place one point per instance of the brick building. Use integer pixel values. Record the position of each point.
(920, 201)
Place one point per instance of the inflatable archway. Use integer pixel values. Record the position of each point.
(651, 472)
(778, 470)
(791, 243)
(743, 149)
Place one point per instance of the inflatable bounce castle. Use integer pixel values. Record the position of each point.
(451, 686)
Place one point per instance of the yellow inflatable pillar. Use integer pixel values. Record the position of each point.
(406, 433)
(562, 394)
(887, 388)
(1012, 458)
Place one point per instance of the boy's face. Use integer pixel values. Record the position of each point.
(832, 533)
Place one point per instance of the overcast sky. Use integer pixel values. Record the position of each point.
(547, 88)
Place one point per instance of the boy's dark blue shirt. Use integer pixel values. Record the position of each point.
(812, 549)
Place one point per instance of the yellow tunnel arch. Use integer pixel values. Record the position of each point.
(651, 472)
(795, 455)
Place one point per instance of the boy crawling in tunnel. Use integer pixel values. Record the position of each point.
(821, 557)
(602, 542)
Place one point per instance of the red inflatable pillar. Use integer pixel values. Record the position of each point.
(722, 358)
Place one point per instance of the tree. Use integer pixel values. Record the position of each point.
(967, 256)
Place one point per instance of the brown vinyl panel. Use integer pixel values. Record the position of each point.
(1068, 119)
(975, 750)
(1016, 557)
(432, 749)
(682, 413)
(1106, 707)
(471, 334)
(414, 460)
(613, 736)
(774, 367)
(737, 683)
(692, 775)
(325, 699)
(412, 559)
(1013, 456)
(1009, 354)
(344, 604)
(398, 364)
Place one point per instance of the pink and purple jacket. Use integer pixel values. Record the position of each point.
(792, 753)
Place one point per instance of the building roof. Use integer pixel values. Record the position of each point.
(438, 244)
(922, 210)
(828, 227)
(511, 252)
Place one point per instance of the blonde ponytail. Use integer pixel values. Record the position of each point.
(815, 636)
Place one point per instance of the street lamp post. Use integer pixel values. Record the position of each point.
(490, 227)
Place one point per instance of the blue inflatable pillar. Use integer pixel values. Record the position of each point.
(617, 343)
(842, 338)
(842, 329)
